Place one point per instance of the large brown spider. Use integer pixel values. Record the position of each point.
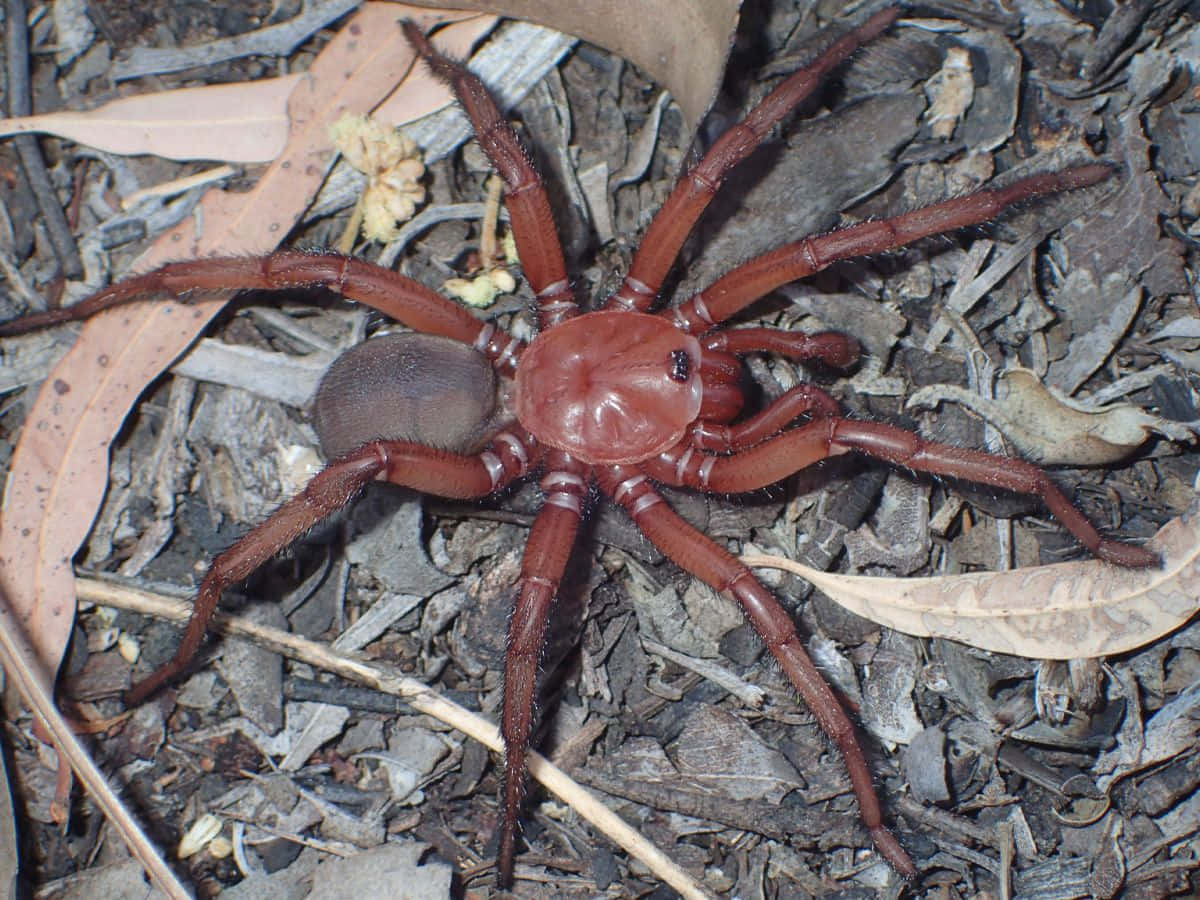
(619, 398)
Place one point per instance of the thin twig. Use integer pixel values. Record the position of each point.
(20, 103)
(423, 699)
(19, 659)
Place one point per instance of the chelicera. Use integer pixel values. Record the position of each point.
(621, 399)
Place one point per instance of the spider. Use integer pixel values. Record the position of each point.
(620, 399)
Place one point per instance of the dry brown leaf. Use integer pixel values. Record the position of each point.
(680, 44)
(1052, 429)
(59, 468)
(1065, 611)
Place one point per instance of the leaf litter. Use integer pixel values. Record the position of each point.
(1009, 319)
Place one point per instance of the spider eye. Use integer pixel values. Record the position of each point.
(681, 366)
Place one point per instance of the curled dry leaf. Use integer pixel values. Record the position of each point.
(684, 49)
(1051, 429)
(1065, 611)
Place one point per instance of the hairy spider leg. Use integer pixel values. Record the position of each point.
(525, 196)
(411, 465)
(696, 188)
(738, 288)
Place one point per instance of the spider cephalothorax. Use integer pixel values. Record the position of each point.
(622, 399)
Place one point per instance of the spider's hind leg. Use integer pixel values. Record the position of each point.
(712, 564)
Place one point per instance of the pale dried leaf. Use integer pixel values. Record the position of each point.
(199, 835)
(1064, 611)
(681, 44)
(1052, 429)
(950, 93)
(236, 123)
(59, 469)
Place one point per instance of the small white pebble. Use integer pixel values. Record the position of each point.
(202, 832)
(129, 648)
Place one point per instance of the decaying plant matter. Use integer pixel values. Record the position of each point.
(618, 399)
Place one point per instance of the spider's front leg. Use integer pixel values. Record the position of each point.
(738, 288)
(710, 433)
(411, 465)
(695, 189)
(525, 195)
(395, 295)
(712, 564)
(780, 456)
